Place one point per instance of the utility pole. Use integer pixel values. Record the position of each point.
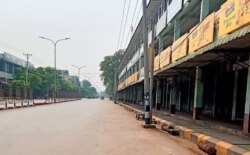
(147, 104)
(115, 81)
(27, 55)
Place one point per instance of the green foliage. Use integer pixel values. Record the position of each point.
(87, 90)
(108, 66)
(41, 81)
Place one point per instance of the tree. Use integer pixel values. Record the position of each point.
(87, 90)
(41, 81)
(108, 66)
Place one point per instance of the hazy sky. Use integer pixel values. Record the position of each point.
(92, 25)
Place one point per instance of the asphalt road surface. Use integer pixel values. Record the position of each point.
(86, 127)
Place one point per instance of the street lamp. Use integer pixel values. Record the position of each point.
(79, 69)
(54, 43)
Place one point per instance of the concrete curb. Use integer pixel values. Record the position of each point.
(222, 147)
(32, 105)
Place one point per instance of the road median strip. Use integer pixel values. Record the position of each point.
(222, 147)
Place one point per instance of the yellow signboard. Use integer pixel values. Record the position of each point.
(233, 15)
(179, 48)
(136, 76)
(157, 62)
(245, 11)
(202, 34)
(132, 78)
(229, 17)
(151, 54)
(165, 57)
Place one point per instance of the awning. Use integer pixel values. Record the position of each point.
(239, 39)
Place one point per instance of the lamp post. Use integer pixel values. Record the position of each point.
(79, 69)
(54, 43)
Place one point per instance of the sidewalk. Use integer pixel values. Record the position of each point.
(225, 142)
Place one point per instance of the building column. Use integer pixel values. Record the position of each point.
(246, 125)
(236, 74)
(124, 96)
(158, 94)
(163, 93)
(177, 29)
(130, 95)
(167, 92)
(139, 94)
(160, 44)
(127, 95)
(178, 99)
(173, 96)
(135, 95)
(198, 94)
(205, 9)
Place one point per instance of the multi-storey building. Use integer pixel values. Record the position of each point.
(65, 75)
(9, 65)
(199, 59)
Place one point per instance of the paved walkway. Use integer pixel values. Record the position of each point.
(243, 142)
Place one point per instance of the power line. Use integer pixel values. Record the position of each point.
(19, 51)
(131, 25)
(121, 25)
(137, 18)
(125, 24)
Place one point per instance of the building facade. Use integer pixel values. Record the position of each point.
(65, 75)
(199, 58)
(9, 65)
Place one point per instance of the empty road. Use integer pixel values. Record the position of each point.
(86, 127)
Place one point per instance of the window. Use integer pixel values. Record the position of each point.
(164, 6)
(169, 2)
(159, 13)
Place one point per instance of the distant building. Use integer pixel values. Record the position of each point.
(65, 75)
(63, 72)
(9, 65)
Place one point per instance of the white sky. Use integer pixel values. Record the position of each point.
(92, 25)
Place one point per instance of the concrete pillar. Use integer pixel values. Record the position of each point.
(131, 95)
(173, 96)
(127, 95)
(198, 94)
(236, 74)
(167, 92)
(178, 98)
(177, 29)
(160, 44)
(246, 125)
(139, 94)
(135, 95)
(163, 96)
(158, 94)
(205, 9)
(124, 96)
